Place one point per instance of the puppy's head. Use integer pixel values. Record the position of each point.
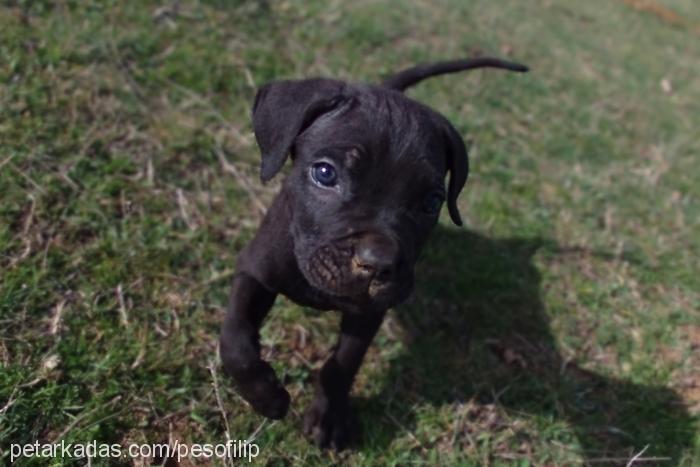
(367, 184)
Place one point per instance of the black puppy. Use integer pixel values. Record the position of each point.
(345, 230)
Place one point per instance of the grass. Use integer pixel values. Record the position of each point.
(561, 327)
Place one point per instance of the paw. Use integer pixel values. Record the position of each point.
(327, 424)
(259, 386)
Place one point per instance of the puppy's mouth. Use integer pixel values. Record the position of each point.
(374, 287)
(335, 271)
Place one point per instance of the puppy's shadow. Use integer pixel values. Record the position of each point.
(478, 342)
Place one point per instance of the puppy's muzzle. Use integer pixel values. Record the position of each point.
(376, 260)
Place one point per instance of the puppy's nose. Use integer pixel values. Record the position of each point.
(377, 255)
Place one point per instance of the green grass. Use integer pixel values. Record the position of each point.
(561, 327)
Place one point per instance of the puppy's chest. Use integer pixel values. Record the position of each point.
(304, 294)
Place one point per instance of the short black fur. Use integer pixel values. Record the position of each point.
(350, 245)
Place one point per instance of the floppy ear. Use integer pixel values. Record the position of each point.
(283, 110)
(458, 167)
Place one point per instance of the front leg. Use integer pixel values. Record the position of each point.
(327, 420)
(239, 347)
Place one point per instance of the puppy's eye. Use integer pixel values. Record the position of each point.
(324, 174)
(432, 203)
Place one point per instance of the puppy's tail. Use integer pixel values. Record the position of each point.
(406, 78)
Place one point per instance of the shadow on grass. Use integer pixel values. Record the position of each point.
(479, 334)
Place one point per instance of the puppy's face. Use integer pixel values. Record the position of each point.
(366, 189)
